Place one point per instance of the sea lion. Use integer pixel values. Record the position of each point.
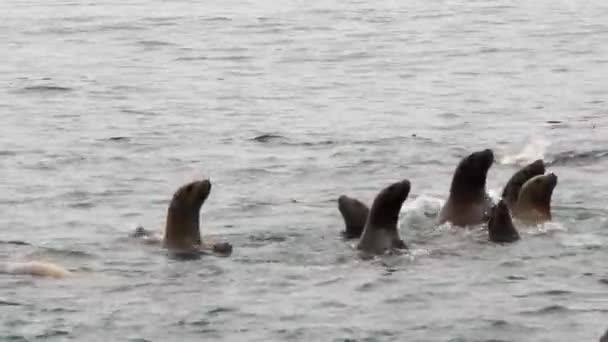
(500, 225)
(354, 213)
(380, 233)
(511, 190)
(182, 236)
(468, 202)
(534, 200)
(35, 268)
(605, 337)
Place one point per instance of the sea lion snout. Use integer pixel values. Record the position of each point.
(194, 193)
(552, 179)
(486, 158)
(400, 190)
(342, 201)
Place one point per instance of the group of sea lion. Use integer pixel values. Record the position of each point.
(526, 197)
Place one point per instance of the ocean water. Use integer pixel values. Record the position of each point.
(107, 107)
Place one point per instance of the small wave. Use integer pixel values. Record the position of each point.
(14, 338)
(9, 303)
(516, 277)
(555, 293)
(15, 242)
(194, 58)
(220, 310)
(153, 43)
(268, 238)
(547, 310)
(46, 89)
(6, 153)
(265, 138)
(53, 333)
(576, 158)
(545, 228)
(233, 58)
(217, 19)
(119, 138)
(59, 252)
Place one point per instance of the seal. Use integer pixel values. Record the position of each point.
(182, 236)
(534, 201)
(511, 190)
(605, 337)
(354, 213)
(380, 233)
(468, 202)
(500, 225)
(35, 268)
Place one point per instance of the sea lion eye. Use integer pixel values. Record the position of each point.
(189, 188)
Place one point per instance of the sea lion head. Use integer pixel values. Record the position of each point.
(354, 213)
(500, 225)
(192, 195)
(513, 187)
(182, 226)
(387, 205)
(535, 196)
(471, 172)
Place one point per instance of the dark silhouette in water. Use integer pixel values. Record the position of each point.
(500, 225)
(380, 233)
(605, 337)
(354, 213)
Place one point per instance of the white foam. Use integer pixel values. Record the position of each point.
(534, 149)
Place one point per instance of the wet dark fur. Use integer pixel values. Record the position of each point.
(513, 187)
(605, 337)
(380, 233)
(500, 225)
(468, 202)
(182, 230)
(354, 213)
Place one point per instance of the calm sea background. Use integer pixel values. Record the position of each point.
(107, 107)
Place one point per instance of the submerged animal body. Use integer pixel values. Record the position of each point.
(354, 213)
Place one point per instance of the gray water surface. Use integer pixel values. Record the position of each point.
(107, 107)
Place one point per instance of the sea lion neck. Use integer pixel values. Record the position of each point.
(465, 191)
(383, 220)
(183, 223)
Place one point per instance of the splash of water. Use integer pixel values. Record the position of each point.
(534, 149)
